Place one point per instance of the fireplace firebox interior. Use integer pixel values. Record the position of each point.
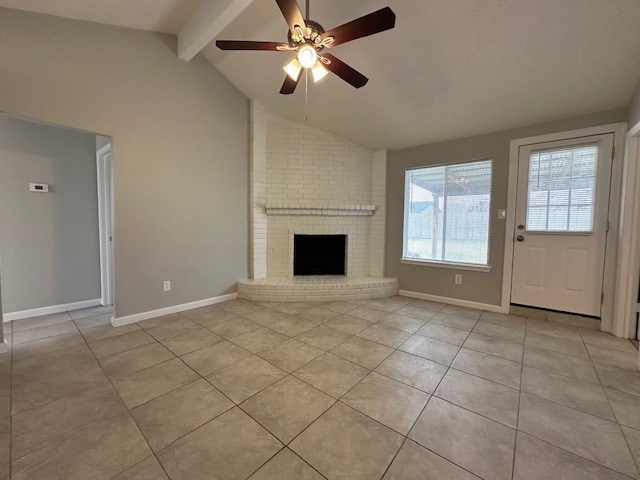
(319, 254)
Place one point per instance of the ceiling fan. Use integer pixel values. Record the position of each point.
(309, 39)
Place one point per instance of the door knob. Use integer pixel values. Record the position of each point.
(520, 238)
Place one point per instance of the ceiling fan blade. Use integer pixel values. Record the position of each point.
(247, 45)
(289, 85)
(376, 22)
(344, 71)
(292, 14)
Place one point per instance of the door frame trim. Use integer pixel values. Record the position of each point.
(626, 296)
(619, 130)
(105, 222)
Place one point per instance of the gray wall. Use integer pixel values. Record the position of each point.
(49, 241)
(477, 286)
(634, 108)
(180, 133)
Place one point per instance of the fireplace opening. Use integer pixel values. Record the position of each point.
(319, 254)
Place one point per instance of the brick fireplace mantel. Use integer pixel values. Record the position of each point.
(325, 210)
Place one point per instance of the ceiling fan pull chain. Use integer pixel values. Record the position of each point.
(306, 94)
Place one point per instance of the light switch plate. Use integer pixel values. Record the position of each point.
(502, 214)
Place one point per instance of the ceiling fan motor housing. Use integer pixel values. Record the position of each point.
(312, 35)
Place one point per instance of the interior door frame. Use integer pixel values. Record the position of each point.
(608, 322)
(627, 279)
(104, 162)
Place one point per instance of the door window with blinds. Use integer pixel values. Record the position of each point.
(561, 189)
(447, 213)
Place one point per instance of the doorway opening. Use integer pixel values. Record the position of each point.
(105, 218)
(56, 209)
(627, 299)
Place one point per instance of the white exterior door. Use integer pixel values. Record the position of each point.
(561, 224)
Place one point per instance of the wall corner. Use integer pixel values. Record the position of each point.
(378, 239)
(258, 192)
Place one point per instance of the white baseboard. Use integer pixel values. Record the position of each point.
(453, 301)
(36, 312)
(138, 317)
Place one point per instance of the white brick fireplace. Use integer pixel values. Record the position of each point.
(307, 181)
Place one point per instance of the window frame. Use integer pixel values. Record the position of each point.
(555, 231)
(445, 263)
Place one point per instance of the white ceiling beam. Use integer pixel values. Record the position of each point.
(207, 22)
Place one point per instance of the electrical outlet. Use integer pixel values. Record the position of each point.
(458, 279)
(166, 285)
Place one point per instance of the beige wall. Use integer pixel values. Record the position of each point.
(49, 241)
(477, 286)
(634, 108)
(180, 134)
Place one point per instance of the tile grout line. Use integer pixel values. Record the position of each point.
(11, 406)
(286, 445)
(626, 441)
(128, 412)
(568, 406)
(407, 437)
(576, 455)
(516, 430)
(394, 349)
(91, 424)
(302, 459)
(571, 408)
(157, 341)
(55, 351)
(416, 421)
(436, 396)
(234, 405)
(515, 437)
(237, 405)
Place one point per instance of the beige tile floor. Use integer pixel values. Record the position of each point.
(394, 389)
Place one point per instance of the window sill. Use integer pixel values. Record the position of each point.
(450, 265)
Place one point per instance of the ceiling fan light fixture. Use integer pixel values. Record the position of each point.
(307, 56)
(319, 72)
(307, 38)
(293, 69)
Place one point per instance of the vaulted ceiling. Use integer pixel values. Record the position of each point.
(449, 69)
(166, 16)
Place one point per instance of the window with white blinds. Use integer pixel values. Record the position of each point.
(561, 190)
(447, 213)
